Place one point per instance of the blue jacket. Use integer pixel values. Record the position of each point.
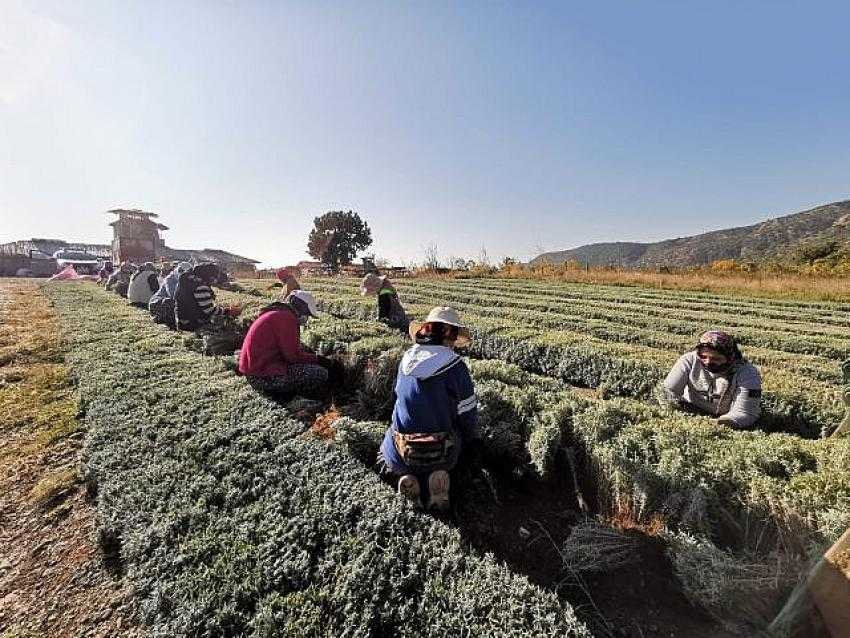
(434, 393)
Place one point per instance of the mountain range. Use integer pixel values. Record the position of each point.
(775, 239)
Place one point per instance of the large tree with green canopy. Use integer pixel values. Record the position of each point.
(337, 237)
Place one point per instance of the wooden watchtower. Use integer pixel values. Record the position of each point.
(135, 236)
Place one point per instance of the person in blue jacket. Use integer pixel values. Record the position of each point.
(435, 410)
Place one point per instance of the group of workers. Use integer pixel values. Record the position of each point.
(435, 411)
(181, 298)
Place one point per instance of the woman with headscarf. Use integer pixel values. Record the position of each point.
(435, 411)
(715, 379)
(286, 276)
(390, 310)
(161, 305)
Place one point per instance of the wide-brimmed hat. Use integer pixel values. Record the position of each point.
(307, 299)
(448, 316)
(372, 284)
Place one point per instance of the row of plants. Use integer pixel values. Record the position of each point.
(796, 368)
(652, 323)
(649, 296)
(229, 521)
(698, 299)
(791, 403)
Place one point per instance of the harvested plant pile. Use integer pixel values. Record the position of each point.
(229, 522)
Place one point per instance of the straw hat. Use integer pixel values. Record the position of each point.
(446, 315)
(372, 284)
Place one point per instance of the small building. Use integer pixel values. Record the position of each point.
(135, 236)
(308, 268)
(235, 265)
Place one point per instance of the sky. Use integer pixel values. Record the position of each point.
(505, 128)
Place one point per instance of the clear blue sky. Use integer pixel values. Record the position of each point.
(511, 126)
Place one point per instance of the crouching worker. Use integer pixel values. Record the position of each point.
(435, 411)
(143, 284)
(161, 305)
(272, 356)
(105, 273)
(194, 299)
(119, 280)
(390, 310)
(715, 379)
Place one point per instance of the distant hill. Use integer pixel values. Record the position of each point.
(774, 239)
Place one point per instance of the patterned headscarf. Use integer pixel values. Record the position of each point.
(721, 342)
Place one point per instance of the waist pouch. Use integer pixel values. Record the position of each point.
(424, 450)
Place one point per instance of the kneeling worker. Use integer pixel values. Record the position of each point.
(435, 410)
(272, 356)
(715, 379)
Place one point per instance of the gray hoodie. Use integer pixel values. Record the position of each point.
(736, 396)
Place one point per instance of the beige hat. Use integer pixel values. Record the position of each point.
(372, 284)
(446, 315)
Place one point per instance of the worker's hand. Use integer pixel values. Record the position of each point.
(234, 310)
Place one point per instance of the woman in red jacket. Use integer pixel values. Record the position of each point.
(272, 357)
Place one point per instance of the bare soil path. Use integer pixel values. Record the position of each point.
(52, 579)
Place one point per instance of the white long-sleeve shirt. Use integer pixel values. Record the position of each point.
(736, 396)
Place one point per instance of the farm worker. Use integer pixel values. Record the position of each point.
(143, 284)
(119, 281)
(287, 278)
(435, 410)
(715, 379)
(161, 304)
(390, 310)
(272, 356)
(194, 300)
(106, 272)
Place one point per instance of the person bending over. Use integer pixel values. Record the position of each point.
(194, 299)
(272, 356)
(390, 310)
(161, 304)
(143, 284)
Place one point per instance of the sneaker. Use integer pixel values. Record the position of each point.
(408, 487)
(438, 486)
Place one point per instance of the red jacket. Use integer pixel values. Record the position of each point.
(272, 343)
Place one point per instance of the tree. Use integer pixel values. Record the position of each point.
(337, 237)
(432, 257)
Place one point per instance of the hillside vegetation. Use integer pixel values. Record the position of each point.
(818, 232)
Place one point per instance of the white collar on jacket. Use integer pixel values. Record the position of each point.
(423, 362)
